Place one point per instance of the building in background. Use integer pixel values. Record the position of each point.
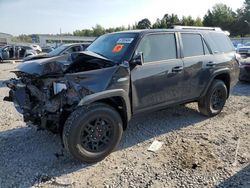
(56, 40)
(5, 39)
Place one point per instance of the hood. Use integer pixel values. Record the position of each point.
(76, 62)
(34, 57)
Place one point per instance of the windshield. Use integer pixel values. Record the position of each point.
(112, 46)
(57, 51)
(247, 44)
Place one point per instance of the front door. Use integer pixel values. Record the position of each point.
(158, 81)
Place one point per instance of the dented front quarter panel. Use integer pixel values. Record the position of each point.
(97, 81)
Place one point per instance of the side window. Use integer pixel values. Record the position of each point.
(221, 43)
(192, 45)
(74, 49)
(77, 48)
(158, 47)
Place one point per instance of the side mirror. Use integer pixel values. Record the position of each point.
(138, 59)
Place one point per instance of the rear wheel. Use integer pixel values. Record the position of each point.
(213, 102)
(91, 133)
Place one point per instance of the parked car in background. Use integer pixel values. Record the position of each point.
(47, 49)
(61, 50)
(16, 52)
(244, 51)
(90, 96)
(245, 70)
(36, 47)
(237, 46)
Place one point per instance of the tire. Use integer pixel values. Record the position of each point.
(213, 102)
(91, 133)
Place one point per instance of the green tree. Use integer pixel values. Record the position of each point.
(220, 16)
(187, 21)
(198, 22)
(144, 24)
(242, 27)
(98, 30)
(22, 38)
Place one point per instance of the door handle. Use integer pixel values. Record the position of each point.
(211, 64)
(177, 69)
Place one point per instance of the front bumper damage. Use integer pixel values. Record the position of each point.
(47, 99)
(44, 104)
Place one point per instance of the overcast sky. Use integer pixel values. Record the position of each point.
(48, 16)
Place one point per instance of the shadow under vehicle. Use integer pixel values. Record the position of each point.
(89, 97)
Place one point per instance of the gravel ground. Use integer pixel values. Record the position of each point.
(197, 151)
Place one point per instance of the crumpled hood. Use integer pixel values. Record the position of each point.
(56, 65)
(40, 67)
(35, 57)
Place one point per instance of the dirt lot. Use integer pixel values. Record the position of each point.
(197, 151)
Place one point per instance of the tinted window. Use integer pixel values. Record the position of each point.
(74, 49)
(220, 42)
(158, 47)
(58, 50)
(192, 45)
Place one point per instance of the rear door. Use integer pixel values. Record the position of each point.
(157, 82)
(197, 60)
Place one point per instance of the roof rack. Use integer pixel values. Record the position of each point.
(196, 28)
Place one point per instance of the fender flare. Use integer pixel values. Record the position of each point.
(216, 73)
(108, 94)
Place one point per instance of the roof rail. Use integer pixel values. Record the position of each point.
(196, 28)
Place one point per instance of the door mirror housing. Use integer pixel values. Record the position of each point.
(138, 59)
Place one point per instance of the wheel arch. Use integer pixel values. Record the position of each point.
(117, 98)
(223, 75)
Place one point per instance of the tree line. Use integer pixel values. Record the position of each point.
(236, 22)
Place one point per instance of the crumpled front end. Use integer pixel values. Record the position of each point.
(47, 99)
(43, 101)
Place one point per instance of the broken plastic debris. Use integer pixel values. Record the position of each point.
(156, 145)
(63, 181)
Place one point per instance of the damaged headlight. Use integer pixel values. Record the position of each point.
(58, 87)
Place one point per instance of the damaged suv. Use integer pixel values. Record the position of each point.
(90, 96)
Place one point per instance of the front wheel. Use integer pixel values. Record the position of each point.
(91, 133)
(213, 102)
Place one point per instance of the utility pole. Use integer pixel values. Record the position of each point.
(61, 35)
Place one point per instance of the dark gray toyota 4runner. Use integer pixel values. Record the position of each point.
(90, 96)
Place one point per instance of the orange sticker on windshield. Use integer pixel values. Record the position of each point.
(117, 48)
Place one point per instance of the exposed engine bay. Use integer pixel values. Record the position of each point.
(47, 91)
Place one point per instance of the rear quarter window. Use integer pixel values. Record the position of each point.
(220, 43)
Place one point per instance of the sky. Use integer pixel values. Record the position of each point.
(48, 16)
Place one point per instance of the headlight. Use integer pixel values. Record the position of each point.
(58, 87)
